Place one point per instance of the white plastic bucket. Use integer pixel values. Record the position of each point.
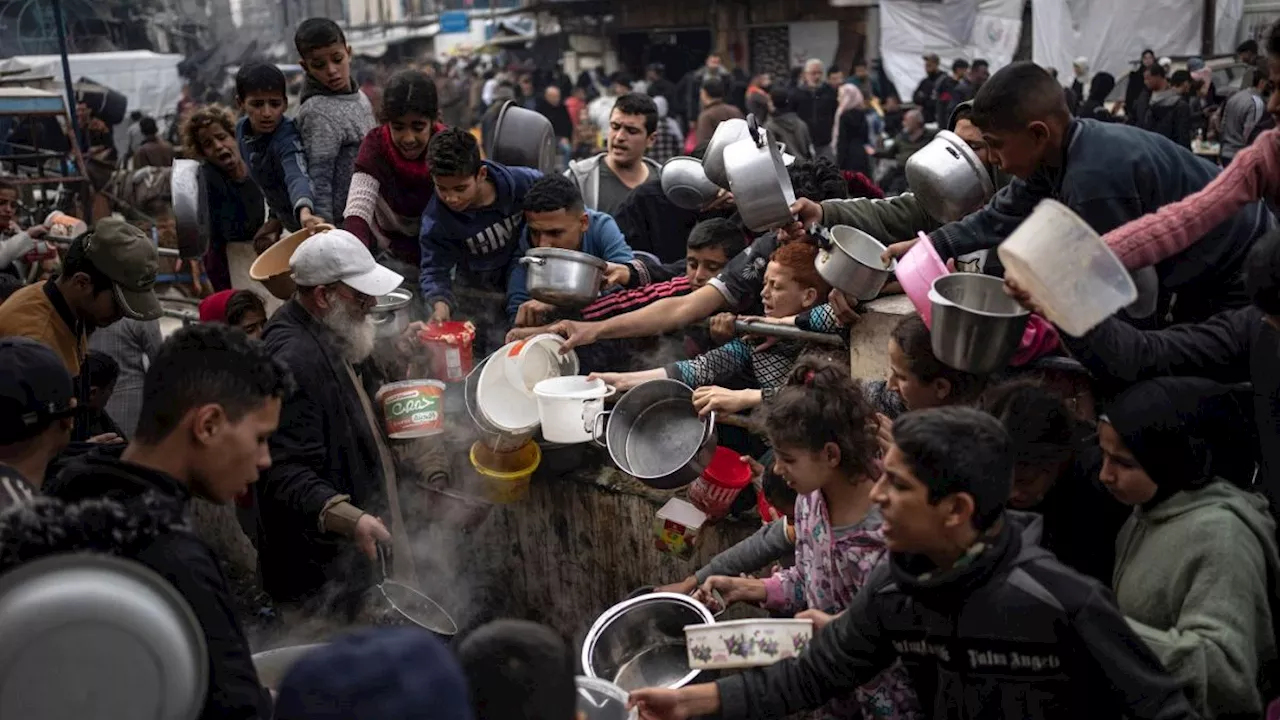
(1067, 268)
(568, 407)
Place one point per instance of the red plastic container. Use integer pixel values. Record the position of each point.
(768, 513)
(720, 483)
(448, 346)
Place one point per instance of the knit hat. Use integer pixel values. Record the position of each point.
(35, 387)
(376, 674)
(214, 307)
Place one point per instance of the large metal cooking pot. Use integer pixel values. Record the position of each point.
(686, 184)
(727, 133)
(523, 137)
(850, 261)
(93, 636)
(190, 208)
(654, 434)
(639, 643)
(948, 178)
(273, 665)
(390, 316)
(759, 180)
(976, 326)
(564, 278)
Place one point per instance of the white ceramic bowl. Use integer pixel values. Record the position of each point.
(745, 643)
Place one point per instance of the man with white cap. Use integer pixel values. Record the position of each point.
(330, 464)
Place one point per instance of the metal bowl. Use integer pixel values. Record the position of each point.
(96, 636)
(976, 327)
(851, 263)
(686, 184)
(391, 315)
(190, 197)
(726, 134)
(564, 278)
(948, 178)
(524, 138)
(639, 643)
(273, 665)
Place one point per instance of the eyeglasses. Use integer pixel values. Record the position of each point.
(349, 293)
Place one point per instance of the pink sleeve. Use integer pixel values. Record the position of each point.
(1253, 175)
(783, 592)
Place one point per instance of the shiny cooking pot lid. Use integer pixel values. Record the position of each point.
(92, 636)
(573, 255)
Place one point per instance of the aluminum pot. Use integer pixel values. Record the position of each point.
(654, 435)
(948, 178)
(391, 315)
(850, 260)
(524, 138)
(686, 184)
(976, 326)
(727, 133)
(564, 278)
(640, 642)
(759, 180)
(190, 197)
(493, 438)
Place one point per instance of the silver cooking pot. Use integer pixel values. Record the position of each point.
(948, 178)
(976, 326)
(640, 643)
(654, 435)
(190, 198)
(727, 133)
(759, 180)
(849, 260)
(685, 183)
(390, 316)
(564, 278)
(524, 138)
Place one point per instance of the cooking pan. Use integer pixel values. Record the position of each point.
(523, 137)
(190, 208)
(655, 435)
(759, 180)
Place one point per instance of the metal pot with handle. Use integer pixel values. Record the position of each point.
(727, 133)
(759, 180)
(655, 435)
(390, 316)
(564, 278)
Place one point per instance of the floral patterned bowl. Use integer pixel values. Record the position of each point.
(745, 643)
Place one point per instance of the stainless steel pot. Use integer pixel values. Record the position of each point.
(727, 133)
(564, 278)
(493, 438)
(976, 327)
(686, 184)
(523, 137)
(190, 207)
(391, 315)
(850, 260)
(654, 435)
(639, 642)
(948, 178)
(96, 636)
(759, 180)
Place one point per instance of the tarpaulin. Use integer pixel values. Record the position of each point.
(968, 29)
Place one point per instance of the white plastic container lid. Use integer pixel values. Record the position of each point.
(602, 700)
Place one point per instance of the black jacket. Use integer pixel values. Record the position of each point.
(651, 223)
(324, 447)
(923, 96)
(1236, 346)
(851, 145)
(1169, 114)
(189, 565)
(1015, 634)
(817, 108)
(1113, 174)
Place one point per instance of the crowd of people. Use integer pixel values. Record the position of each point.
(1089, 530)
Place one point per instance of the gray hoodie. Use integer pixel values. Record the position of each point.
(332, 126)
(585, 173)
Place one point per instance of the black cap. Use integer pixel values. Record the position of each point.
(35, 387)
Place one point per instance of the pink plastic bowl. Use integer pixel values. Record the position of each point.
(916, 272)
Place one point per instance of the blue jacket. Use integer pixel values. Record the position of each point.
(279, 166)
(479, 242)
(602, 239)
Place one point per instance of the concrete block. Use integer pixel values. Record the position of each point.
(869, 345)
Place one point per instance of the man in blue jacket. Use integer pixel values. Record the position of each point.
(472, 223)
(1108, 174)
(555, 217)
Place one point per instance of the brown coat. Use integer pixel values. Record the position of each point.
(153, 153)
(711, 118)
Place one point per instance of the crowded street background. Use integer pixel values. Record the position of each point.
(844, 372)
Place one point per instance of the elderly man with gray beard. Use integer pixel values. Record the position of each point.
(321, 497)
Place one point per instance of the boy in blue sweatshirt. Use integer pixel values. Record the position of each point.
(555, 217)
(472, 223)
(270, 144)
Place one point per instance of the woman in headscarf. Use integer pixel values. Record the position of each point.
(1094, 105)
(850, 134)
(1196, 562)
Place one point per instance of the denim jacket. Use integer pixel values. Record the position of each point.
(279, 166)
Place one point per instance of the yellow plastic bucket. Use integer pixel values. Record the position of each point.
(506, 475)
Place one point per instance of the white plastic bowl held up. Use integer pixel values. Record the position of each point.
(1067, 269)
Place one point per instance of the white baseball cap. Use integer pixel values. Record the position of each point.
(339, 256)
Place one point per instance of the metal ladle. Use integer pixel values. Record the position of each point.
(422, 610)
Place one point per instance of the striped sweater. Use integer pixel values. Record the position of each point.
(388, 195)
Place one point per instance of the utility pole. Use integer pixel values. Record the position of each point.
(1208, 28)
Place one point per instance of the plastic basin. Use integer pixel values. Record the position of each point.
(506, 475)
(916, 272)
